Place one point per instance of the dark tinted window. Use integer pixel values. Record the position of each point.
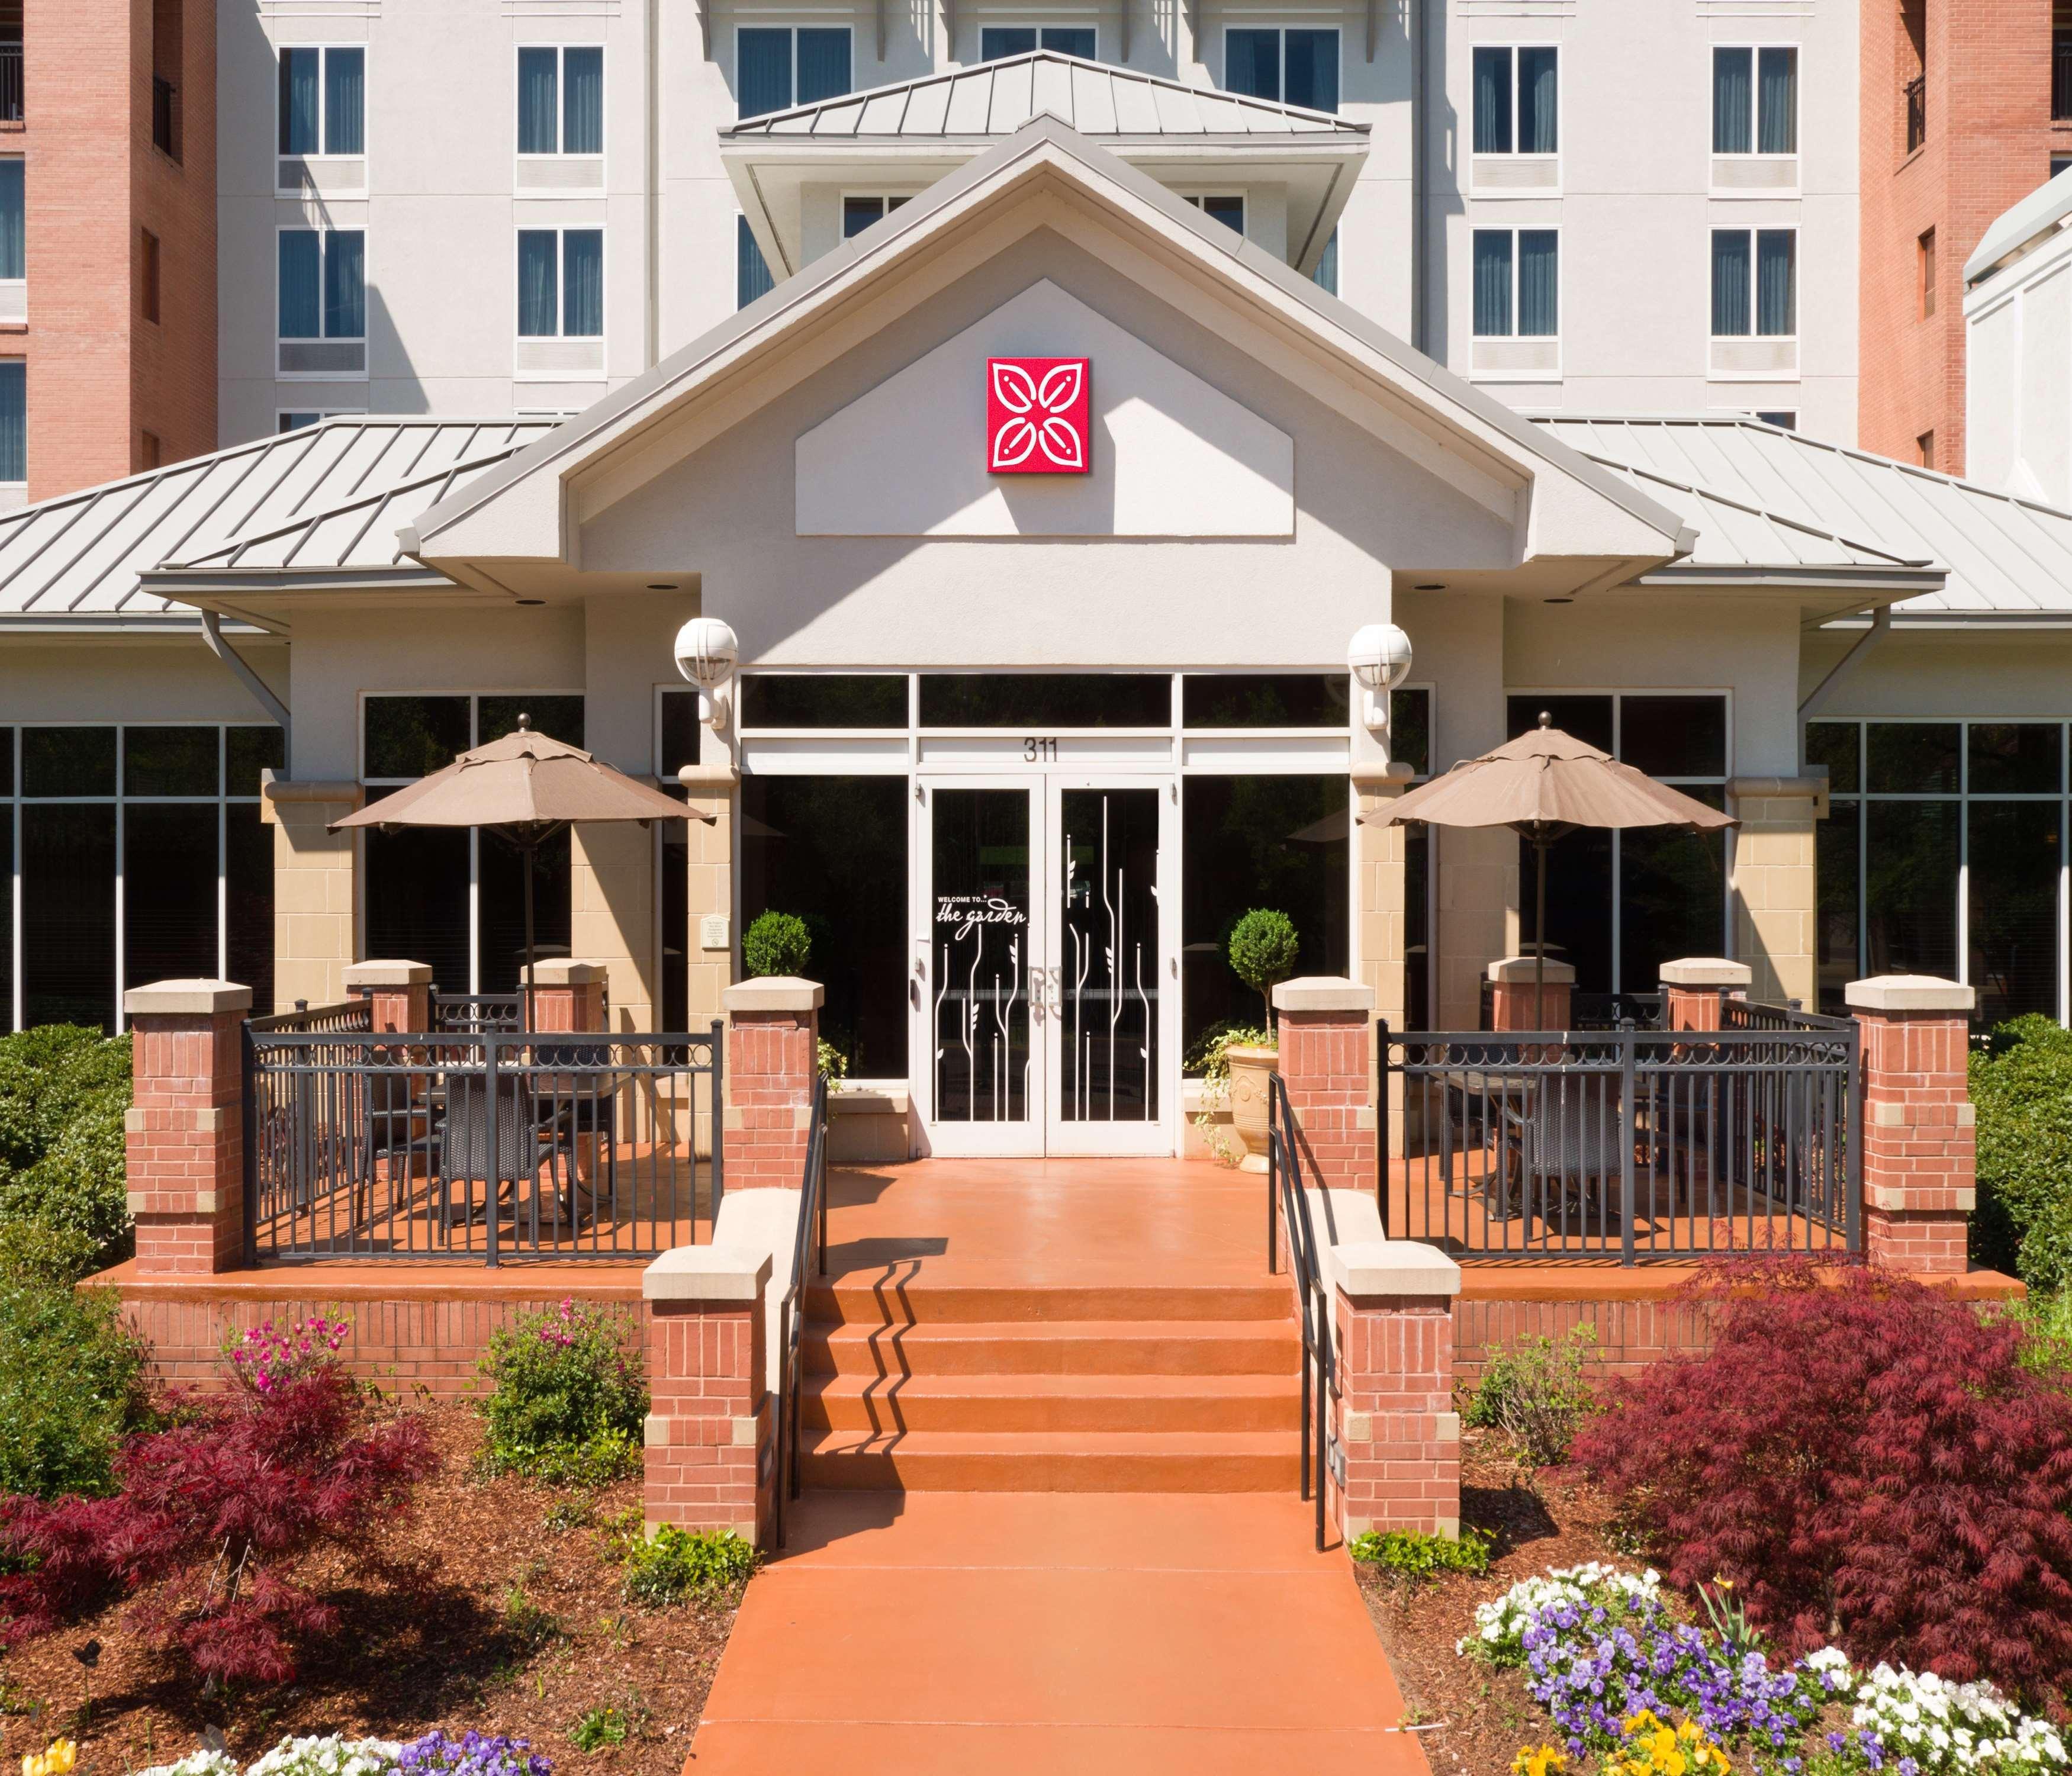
(683, 735)
(1271, 700)
(822, 700)
(502, 900)
(249, 847)
(68, 912)
(557, 717)
(1913, 759)
(413, 736)
(168, 761)
(68, 762)
(169, 893)
(1587, 718)
(1045, 699)
(1675, 736)
(251, 751)
(2016, 758)
(6, 763)
(1837, 745)
(1410, 728)
(417, 899)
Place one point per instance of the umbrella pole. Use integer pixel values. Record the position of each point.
(528, 854)
(1539, 933)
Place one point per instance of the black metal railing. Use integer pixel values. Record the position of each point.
(481, 1146)
(1288, 1204)
(1916, 111)
(11, 84)
(1628, 1143)
(2061, 75)
(809, 1245)
(471, 1013)
(165, 117)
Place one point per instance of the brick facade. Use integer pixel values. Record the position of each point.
(1397, 1427)
(1518, 1001)
(1920, 1133)
(184, 1134)
(711, 1448)
(772, 1057)
(1327, 1064)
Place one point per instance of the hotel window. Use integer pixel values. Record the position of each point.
(322, 296)
(168, 54)
(1924, 253)
(776, 67)
(14, 223)
(1619, 905)
(1517, 283)
(323, 100)
(996, 42)
(130, 855)
(561, 283)
(1226, 207)
(1941, 854)
(454, 898)
(147, 270)
(1784, 417)
(1517, 100)
(1326, 273)
(858, 213)
(1755, 283)
(561, 100)
(1755, 101)
(1295, 67)
(14, 422)
(751, 270)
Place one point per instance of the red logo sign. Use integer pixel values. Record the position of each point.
(1039, 416)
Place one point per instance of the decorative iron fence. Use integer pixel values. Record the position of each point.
(1638, 1143)
(475, 1145)
(471, 1013)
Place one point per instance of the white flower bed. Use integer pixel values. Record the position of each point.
(1948, 1729)
(332, 1755)
(1500, 1626)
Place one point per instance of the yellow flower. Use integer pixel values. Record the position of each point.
(1548, 1761)
(57, 1760)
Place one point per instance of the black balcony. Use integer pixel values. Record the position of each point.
(165, 117)
(10, 83)
(1917, 112)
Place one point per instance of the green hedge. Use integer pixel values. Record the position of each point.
(62, 1092)
(71, 1380)
(2021, 1082)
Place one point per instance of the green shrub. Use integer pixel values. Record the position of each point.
(597, 1728)
(832, 1063)
(776, 944)
(2044, 1323)
(1534, 1392)
(2021, 1082)
(1263, 952)
(64, 1089)
(676, 1564)
(1418, 1559)
(567, 1399)
(72, 1386)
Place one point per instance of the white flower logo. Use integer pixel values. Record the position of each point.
(1034, 410)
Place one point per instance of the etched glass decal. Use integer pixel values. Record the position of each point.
(980, 935)
(1109, 984)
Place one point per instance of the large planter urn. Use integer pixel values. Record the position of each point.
(1250, 1066)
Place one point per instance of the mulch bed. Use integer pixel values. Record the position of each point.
(490, 1604)
(1468, 1718)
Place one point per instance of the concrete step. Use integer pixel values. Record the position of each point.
(1053, 1462)
(1075, 1347)
(861, 1303)
(1051, 1403)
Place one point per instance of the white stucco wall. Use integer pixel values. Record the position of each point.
(118, 679)
(2018, 379)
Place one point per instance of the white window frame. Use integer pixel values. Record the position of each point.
(557, 230)
(984, 25)
(887, 202)
(321, 414)
(320, 158)
(1281, 32)
(559, 155)
(1751, 231)
(792, 32)
(323, 231)
(1510, 46)
(1514, 229)
(22, 358)
(1754, 156)
(1200, 199)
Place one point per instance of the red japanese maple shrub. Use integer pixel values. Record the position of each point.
(1870, 1463)
(211, 1516)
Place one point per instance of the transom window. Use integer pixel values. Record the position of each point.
(1517, 99)
(1518, 283)
(561, 283)
(1297, 66)
(323, 100)
(997, 42)
(1755, 283)
(1755, 100)
(776, 67)
(561, 100)
(859, 212)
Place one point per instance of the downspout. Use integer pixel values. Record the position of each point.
(212, 630)
(1816, 700)
(1415, 10)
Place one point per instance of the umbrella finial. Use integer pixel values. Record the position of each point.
(525, 722)
(1546, 720)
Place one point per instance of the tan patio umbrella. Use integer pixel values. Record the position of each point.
(1542, 785)
(528, 788)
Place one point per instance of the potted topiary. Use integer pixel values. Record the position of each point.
(775, 943)
(1262, 950)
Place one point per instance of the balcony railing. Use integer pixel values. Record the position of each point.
(164, 117)
(2061, 76)
(1917, 112)
(10, 83)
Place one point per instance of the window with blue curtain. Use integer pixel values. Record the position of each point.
(1731, 272)
(1539, 101)
(13, 219)
(1493, 282)
(1492, 100)
(301, 284)
(582, 283)
(1251, 63)
(824, 63)
(1311, 60)
(13, 420)
(996, 42)
(1071, 40)
(751, 270)
(1777, 80)
(1733, 101)
(762, 69)
(539, 100)
(1777, 282)
(539, 284)
(302, 98)
(1539, 283)
(582, 100)
(1326, 273)
(345, 284)
(345, 101)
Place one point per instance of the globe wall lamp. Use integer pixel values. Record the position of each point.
(1379, 657)
(708, 650)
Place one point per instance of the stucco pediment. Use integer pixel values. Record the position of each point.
(1172, 456)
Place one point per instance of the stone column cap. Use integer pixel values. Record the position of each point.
(1515, 969)
(562, 971)
(277, 788)
(706, 1273)
(774, 992)
(1705, 971)
(387, 973)
(1322, 992)
(185, 998)
(1907, 993)
(1395, 1267)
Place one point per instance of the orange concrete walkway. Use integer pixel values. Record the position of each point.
(1014, 1634)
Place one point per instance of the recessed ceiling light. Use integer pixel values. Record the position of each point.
(532, 600)
(661, 586)
(1431, 586)
(1570, 599)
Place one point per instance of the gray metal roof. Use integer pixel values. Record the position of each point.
(81, 555)
(1761, 496)
(997, 98)
(2043, 211)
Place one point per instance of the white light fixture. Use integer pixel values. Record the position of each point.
(1379, 657)
(707, 653)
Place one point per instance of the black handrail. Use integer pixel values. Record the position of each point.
(1287, 1193)
(810, 1241)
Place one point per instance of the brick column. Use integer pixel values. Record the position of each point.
(1692, 989)
(1327, 1065)
(1397, 1429)
(184, 1136)
(1919, 1134)
(567, 994)
(1512, 1001)
(400, 991)
(710, 1456)
(772, 1046)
